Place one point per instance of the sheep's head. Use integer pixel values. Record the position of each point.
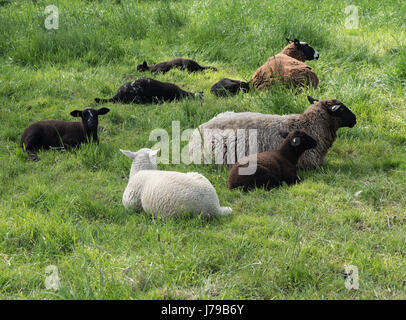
(245, 86)
(199, 95)
(299, 140)
(342, 116)
(90, 117)
(143, 159)
(142, 67)
(300, 50)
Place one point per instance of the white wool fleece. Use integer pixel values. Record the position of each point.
(168, 193)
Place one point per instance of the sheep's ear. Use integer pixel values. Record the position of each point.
(153, 155)
(128, 153)
(103, 111)
(288, 40)
(283, 133)
(76, 113)
(311, 100)
(295, 141)
(144, 64)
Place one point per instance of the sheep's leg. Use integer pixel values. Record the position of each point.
(68, 143)
(132, 201)
(33, 156)
(30, 142)
(262, 178)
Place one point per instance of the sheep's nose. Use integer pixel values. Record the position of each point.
(91, 123)
(316, 55)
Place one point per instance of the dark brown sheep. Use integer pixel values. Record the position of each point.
(288, 67)
(58, 133)
(229, 87)
(181, 63)
(146, 90)
(273, 167)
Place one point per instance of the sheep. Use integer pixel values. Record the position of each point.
(57, 133)
(146, 90)
(229, 87)
(272, 167)
(168, 193)
(289, 67)
(181, 63)
(226, 134)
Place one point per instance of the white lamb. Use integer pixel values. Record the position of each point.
(168, 193)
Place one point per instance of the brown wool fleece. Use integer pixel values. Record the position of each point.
(287, 67)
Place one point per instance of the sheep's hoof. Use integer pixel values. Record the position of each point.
(34, 157)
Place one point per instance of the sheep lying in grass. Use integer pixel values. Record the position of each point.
(181, 63)
(168, 193)
(229, 87)
(146, 90)
(221, 134)
(57, 133)
(273, 167)
(288, 66)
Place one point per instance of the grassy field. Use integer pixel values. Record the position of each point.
(288, 243)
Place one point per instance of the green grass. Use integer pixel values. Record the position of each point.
(288, 243)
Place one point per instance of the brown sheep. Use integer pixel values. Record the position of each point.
(57, 133)
(273, 167)
(288, 66)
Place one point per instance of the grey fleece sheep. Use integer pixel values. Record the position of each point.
(228, 134)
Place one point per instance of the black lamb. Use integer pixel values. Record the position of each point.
(271, 168)
(146, 90)
(181, 63)
(57, 133)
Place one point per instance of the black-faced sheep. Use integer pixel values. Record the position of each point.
(229, 87)
(181, 63)
(57, 133)
(146, 90)
(288, 67)
(273, 167)
(221, 134)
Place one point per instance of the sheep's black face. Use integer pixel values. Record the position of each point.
(339, 110)
(245, 86)
(90, 117)
(302, 140)
(299, 139)
(307, 50)
(142, 67)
